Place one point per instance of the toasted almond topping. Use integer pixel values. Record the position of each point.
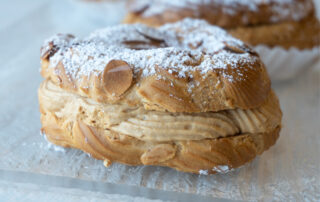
(158, 154)
(53, 44)
(234, 49)
(117, 77)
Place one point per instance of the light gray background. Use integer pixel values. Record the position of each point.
(33, 170)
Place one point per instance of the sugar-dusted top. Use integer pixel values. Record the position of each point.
(182, 47)
(279, 9)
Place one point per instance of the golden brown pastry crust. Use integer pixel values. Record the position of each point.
(210, 155)
(304, 34)
(239, 79)
(263, 25)
(227, 14)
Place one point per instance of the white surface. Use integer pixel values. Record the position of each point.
(31, 192)
(288, 171)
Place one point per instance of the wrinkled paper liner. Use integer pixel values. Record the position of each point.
(286, 64)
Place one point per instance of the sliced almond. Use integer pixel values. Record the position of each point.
(151, 34)
(234, 48)
(50, 48)
(139, 45)
(117, 77)
(239, 49)
(46, 50)
(158, 154)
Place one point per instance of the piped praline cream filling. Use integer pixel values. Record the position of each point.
(149, 125)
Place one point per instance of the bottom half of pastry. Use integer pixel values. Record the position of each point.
(204, 143)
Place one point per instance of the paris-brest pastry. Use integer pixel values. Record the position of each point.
(186, 95)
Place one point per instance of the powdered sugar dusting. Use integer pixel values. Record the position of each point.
(183, 47)
(281, 9)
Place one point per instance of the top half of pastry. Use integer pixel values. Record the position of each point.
(188, 66)
(271, 22)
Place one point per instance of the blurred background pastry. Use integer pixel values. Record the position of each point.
(286, 34)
